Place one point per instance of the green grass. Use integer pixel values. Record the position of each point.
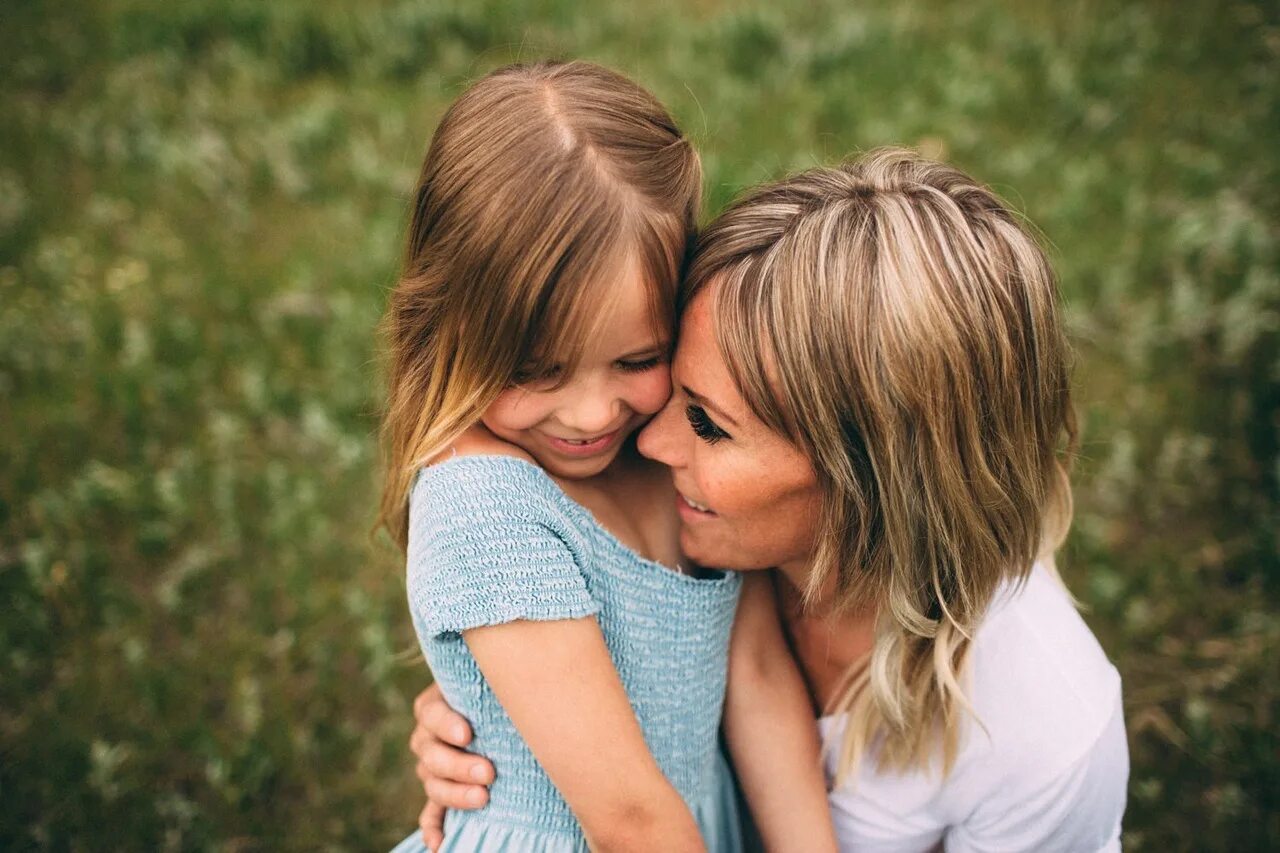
(201, 208)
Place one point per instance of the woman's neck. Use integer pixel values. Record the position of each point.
(827, 643)
(795, 577)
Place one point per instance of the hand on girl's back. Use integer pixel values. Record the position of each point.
(452, 778)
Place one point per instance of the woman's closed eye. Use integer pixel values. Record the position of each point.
(703, 427)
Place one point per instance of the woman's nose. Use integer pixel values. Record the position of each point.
(659, 440)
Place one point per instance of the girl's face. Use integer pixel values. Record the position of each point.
(747, 497)
(575, 430)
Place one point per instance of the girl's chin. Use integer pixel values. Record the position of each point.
(575, 469)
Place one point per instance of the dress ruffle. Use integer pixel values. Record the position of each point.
(716, 814)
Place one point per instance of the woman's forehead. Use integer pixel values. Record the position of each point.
(696, 344)
(699, 366)
(703, 366)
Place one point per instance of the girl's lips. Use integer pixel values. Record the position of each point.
(689, 512)
(584, 448)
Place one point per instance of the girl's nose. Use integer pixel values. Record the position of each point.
(592, 413)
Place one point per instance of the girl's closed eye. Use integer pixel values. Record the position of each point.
(640, 365)
(531, 376)
(703, 427)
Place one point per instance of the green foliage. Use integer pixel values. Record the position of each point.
(201, 206)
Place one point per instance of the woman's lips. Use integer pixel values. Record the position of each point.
(692, 510)
(588, 447)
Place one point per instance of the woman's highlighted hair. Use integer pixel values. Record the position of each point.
(899, 323)
(539, 181)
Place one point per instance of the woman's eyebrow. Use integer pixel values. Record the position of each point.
(707, 404)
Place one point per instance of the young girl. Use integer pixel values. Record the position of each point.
(529, 339)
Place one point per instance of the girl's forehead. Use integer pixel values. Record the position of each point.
(625, 302)
(617, 319)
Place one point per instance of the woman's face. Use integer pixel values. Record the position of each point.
(748, 498)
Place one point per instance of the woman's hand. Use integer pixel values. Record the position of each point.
(452, 777)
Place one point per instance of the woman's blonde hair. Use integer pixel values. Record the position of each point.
(539, 182)
(898, 322)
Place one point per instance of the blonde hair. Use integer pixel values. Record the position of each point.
(898, 323)
(539, 180)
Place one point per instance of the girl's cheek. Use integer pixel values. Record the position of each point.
(650, 392)
(514, 410)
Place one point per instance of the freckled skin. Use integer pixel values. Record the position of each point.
(765, 498)
(762, 492)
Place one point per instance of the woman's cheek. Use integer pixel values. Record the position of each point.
(719, 484)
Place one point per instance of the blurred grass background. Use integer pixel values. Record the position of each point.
(201, 210)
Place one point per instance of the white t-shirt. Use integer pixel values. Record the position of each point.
(1050, 771)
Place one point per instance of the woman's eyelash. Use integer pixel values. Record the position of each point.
(703, 427)
(639, 366)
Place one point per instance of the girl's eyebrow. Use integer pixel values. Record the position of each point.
(656, 347)
(707, 404)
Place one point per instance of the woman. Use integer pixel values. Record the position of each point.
(872, 401)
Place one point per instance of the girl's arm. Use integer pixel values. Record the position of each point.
(770, 729)
(557, 682)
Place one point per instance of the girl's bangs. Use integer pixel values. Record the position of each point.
(580, 291)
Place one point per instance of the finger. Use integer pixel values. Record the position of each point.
(451, 795)
(444, 723)
(454, 765)
(431, 821)
(419, 740)
(424, 698)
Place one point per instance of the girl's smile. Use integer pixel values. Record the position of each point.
(585, 447)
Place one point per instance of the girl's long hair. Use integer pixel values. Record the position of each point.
(899, 323)
(540, 181)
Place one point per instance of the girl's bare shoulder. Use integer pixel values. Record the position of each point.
(478, 441)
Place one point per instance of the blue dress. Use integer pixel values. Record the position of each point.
(493, 539)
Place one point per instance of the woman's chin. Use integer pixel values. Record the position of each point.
(697, 550)
(705, 551)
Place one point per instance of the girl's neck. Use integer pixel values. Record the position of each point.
(634, 500)
(626, 463)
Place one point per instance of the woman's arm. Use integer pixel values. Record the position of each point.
(770, 729)
(557, 683)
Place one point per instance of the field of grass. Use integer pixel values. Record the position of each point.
(201, 209)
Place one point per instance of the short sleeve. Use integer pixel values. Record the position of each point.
(1078, 808)
(490, 543)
